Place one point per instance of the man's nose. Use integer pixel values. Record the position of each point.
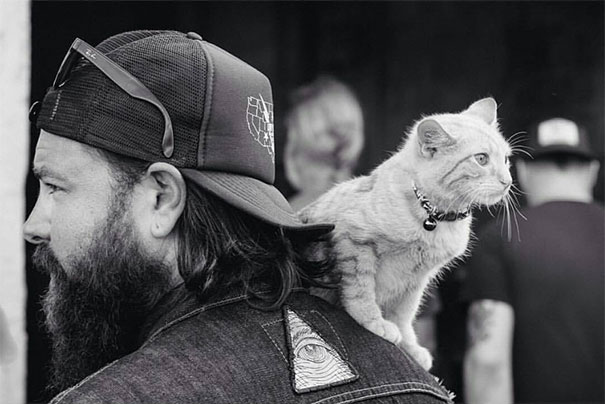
(36, 229)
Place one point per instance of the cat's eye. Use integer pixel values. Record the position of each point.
(482, 158)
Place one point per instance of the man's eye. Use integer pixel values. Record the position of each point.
(482, 158)
(52, 188)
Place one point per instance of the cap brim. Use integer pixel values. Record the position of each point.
(562, 149)
(256, 198)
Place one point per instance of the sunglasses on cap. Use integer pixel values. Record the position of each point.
(119, 76)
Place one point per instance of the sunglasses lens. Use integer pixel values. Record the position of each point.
(34, 110)
(65, 69)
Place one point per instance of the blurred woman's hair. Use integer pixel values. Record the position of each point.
(325, 134)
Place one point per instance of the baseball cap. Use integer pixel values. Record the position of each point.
(174, 97)
(559, 136)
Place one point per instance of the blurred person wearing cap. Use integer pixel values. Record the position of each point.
(535, 323)
(176, 273)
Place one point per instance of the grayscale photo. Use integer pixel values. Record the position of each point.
(275, 202)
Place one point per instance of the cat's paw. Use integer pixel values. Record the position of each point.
(385, 329)
(420, 354)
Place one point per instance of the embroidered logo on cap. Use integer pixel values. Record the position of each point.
(558, 131)
(259, 116)
(314, 364)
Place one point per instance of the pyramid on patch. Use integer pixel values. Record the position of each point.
(314, 363)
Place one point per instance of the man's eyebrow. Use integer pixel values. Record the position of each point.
(45, 172)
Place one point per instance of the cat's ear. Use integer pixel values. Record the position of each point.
(484, 109)
(432, 137)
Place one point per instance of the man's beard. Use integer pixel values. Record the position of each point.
(94, 315)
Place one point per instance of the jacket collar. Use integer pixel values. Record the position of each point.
(180, 303)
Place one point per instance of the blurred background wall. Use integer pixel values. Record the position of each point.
(403, 59)
(14, 153)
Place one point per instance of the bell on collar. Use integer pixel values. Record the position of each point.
(430, 224)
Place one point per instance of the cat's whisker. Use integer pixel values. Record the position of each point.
(472, 200)
(464, 201)
(515, 211)
(517, 138)
(457, 202)
(508, 218)
(501, 210)
(517, 134)
(516, 190)
(518, 149)
(496, 209)
(517, 223)
(521, 146)
(501, 207)
(468, 199)
(451, 203)
(517, 141)
(515, 201)
(517, 205)
(489, 210)
(515, 208)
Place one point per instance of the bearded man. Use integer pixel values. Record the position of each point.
(178, 272)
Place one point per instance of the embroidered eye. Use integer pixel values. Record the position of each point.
(312, 351)
(482, 158)
(314, 362)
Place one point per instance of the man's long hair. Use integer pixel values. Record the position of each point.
(221, 248)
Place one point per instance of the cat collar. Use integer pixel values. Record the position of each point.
(436, 215)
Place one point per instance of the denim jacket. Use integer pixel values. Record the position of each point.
(226, 351)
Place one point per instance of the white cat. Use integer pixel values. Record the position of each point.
(399, 226)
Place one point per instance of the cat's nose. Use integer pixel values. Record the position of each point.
(506, 180)
(506, 184)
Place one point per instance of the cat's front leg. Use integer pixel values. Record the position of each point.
(358, 293)
(359, 300)
(409, 342)
(403, 315)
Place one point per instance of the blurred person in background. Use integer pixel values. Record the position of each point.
(535, 322)
(325, 138)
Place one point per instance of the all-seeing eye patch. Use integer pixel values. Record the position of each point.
(314, 363)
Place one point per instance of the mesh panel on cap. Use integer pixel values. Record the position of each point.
(114, 42)
(94, 110)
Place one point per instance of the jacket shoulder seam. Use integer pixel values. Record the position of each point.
(384, 390)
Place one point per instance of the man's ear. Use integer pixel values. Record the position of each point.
(432, 137)
(169, 193)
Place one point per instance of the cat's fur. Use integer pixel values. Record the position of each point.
(384, 257)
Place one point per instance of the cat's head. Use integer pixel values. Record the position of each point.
(461, 159)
